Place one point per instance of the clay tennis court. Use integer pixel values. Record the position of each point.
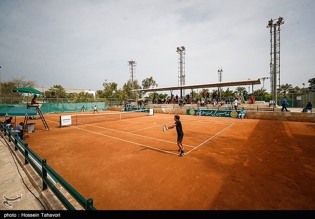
(229, 163)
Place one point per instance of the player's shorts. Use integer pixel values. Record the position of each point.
(180, 138)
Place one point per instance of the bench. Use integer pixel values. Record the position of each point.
(265, 109)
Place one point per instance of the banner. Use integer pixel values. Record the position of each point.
(217, 113)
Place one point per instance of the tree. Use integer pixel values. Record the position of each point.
(260, 94)
(110, 90)
(240, 90)
(121, 96)
(227, 93)
(284, 88)
(21, 82)
(312, 85)
(129, 86)
(7, 87)
(56, 91)
(149, 83)
(99, 94)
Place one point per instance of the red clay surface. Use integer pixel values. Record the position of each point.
(233, 164)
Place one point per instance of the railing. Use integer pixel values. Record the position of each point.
(48, 176)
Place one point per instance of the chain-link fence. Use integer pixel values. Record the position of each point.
(297, 100)
(56, 105)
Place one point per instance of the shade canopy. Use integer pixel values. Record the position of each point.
(17, 111)
(28, 90)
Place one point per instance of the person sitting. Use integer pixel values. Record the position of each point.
(242, 113)
(9, 120)
(271, 102)
(83, 109)
(198, 113)
(228, 107)
(34, 102)
(11, 125)
(20, 129)
(309, 107)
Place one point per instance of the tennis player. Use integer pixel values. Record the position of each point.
(95, 109)
(180, 134)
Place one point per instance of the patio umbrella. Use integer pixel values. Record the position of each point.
(17, 111)
(28, 90)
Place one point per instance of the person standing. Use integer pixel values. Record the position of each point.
(284, 103)
(95, 109)
(235, 103)
(180, 134)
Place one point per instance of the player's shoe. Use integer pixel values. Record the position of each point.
(181, 154)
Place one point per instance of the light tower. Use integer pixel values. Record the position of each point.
(220, 80)
(274, 26)
(181, 67)
(0, 86)
(264, 78)
(132, 65)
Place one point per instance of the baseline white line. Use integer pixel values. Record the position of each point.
(209, 139)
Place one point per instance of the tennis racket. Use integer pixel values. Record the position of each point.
(165, 128)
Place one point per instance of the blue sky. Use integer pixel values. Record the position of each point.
(81, 43)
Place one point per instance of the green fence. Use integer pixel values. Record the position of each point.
(47, 108)
(48, 175)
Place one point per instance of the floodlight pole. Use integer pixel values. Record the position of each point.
(220, 80)
(181, 68)
(274, 55)
(132, 65)
(0, 87)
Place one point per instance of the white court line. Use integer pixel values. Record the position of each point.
(120, 139)
(130, 133)
(194, 147)
(209, 139)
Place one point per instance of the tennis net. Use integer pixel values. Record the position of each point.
(80, 119)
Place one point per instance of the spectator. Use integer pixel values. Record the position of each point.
(202, 102)
(20, 129)
(198, 113)
(242, 113)
(235, 103)
(228, 107)
(11, 125)
(272, 102)
(284, 104)
(9, 120)
(309, 107)
(252, 99)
